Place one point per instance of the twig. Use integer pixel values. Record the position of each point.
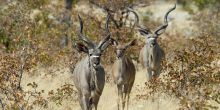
(1, 102)
(24, 58)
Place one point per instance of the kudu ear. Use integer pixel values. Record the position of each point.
(80, 47)
(131, 43)
(144, 32)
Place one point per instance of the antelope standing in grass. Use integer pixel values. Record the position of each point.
(123, 72)
(151, 54)
(89, 75)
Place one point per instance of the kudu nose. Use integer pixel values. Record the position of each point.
(96, 61)
(154, 43)
(119, 53)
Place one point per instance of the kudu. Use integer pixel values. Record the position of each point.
(151, 54)
(123, 72)
(89, 75)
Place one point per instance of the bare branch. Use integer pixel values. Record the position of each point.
(1, 102)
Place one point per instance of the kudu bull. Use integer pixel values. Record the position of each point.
(123, 72)
(151, 54)
(89, 75)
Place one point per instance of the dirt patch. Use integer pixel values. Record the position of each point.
(51, 80)
(108, 100)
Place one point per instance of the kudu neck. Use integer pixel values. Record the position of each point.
(122, 60)
(93, 81)
(152, 52)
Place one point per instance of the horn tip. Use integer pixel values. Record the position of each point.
(79, 17)
(174, 6)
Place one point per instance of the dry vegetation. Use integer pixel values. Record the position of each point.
(30, 36)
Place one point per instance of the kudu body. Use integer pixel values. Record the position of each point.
(151, 54)
(123, 72)
(89, 75)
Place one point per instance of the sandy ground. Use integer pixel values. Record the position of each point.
(51, 79)
(108, 100)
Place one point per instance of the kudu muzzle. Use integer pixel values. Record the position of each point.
(95, 60)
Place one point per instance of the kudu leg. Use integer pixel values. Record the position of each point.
(128, 94)
(117, 91)
(156, 73)
(149, 74)
(123, 100)
(127, 100)
(120, 96)
(85, 102)
(80, 100)
(124, 95)
(96, 101)
(118, 101)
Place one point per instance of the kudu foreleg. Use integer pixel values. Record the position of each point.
(85, 100)
(149, 74)
(96, 101)
(127, 101)
(120, 97)
(128, 93)
(156, 73)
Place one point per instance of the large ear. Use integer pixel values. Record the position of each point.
(131, 43)
(143, 31)
(80, 47)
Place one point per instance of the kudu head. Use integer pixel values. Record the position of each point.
(151, 37)
(120, 49)
(93, 50)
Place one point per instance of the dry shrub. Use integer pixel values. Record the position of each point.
(65, 92)
(12, 94)
(116, 5)
(25, 43)
(192, 74)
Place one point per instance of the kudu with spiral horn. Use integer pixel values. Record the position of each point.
(151, 54)
(89, 75)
